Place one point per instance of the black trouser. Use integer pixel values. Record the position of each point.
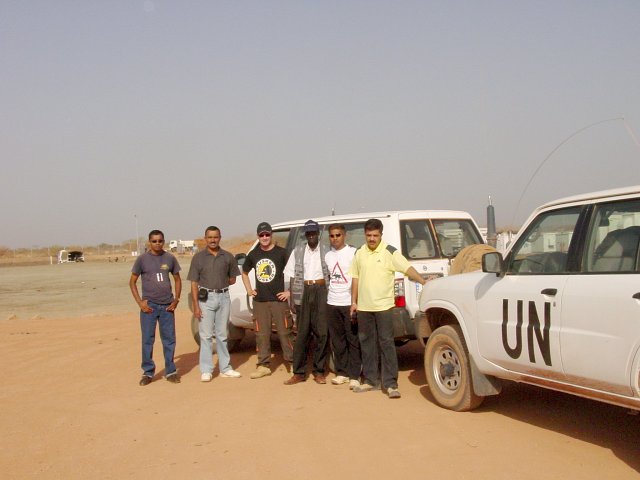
(375, 330)
(344, 342)
(312, 324)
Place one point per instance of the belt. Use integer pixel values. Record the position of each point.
(314, 282)
(216, 290)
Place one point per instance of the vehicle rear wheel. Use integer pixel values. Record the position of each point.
(448, 372)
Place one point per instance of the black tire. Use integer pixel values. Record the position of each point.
(448, 372)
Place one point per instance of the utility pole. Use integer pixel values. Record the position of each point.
(137, 235)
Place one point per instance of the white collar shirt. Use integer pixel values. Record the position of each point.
(312, 264)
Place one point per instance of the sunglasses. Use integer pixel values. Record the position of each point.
(156, 241)
(264, 234)
(335, 235)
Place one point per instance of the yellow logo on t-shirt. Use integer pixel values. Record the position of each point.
(265, 270)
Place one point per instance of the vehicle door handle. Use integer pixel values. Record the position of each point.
(636, 296)
(549, 291)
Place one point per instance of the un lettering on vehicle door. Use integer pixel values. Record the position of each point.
(519, 324)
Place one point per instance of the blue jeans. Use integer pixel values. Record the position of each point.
(167, 327)
(214, 321)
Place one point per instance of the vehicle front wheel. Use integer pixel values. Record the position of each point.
(448, 371)
(234, 336)
(232, 343)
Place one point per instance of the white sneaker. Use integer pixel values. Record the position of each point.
(393, 393)
(339, 380)
(364, 387)
(231, 374)
(206, 377)
(353, 384)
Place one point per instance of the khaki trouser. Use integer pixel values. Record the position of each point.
(265, 315)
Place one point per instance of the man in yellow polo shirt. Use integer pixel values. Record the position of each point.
(372, 293)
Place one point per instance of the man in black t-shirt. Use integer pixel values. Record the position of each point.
(270, 299)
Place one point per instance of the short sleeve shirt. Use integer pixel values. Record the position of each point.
(339, 262)
(269, 266)
(375, 271)
(154, 270)
(213, 271)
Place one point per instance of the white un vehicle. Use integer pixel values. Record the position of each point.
(561, 310)
(429, 239)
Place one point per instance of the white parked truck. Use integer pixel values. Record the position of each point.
(181, 246)
(560, 310)
(429, 239)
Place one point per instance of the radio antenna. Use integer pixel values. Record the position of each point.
(627, 126)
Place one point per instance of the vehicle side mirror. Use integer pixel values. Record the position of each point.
(240, 258)
(492, 263)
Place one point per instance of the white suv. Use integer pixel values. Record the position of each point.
(429, 239)
(561, 310)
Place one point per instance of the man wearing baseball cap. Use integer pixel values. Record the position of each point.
(309, 278)
(269, 298)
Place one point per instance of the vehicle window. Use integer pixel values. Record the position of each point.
(454, 235)
(544, 246)
(614, 236)
(281, 238)
(300, 239)
(355, 235)
(417, 239)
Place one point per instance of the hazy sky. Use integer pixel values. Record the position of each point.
(191, 113)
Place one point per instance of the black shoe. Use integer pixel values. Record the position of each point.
(145, 380)
(173, 378)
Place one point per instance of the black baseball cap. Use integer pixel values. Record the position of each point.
(264, 227)
(311, 226)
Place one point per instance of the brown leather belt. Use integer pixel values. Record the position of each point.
(314, 282)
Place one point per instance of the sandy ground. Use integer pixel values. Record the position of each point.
(70, 407)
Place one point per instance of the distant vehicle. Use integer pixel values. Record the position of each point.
(65, 256)
(181, 246)
(561, 310)
(429, 239)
